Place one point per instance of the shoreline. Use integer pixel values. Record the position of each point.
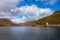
(35, 26)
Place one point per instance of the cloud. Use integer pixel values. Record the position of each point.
(19, 20)
(33, 12)
(9, 10)
(46, 2)
(6, 6)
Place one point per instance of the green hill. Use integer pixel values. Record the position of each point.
(53, 19)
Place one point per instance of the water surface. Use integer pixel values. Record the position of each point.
(29, 33)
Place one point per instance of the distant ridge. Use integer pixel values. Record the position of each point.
(6, 22)
(53, 19)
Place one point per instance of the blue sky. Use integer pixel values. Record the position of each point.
(20, 11)
(54, 6)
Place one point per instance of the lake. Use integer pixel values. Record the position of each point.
(29, 33)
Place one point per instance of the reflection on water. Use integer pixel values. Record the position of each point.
(29, 33)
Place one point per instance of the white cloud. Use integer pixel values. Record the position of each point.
(46, 2)
(33, 12)
(6, 6)
(19, 20)
(8, 10)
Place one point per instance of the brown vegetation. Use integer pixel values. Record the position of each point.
(52, 19)
(6, 22)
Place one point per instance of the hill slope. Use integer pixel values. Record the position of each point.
(52, 19)
(30, 23)
(6, 22)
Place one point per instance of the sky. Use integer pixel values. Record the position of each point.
(20, 11)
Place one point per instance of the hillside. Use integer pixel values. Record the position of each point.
(30, 23)
(6, 22)
(53, 19)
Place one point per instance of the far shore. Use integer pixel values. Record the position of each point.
(49, 25)
(34, 26)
